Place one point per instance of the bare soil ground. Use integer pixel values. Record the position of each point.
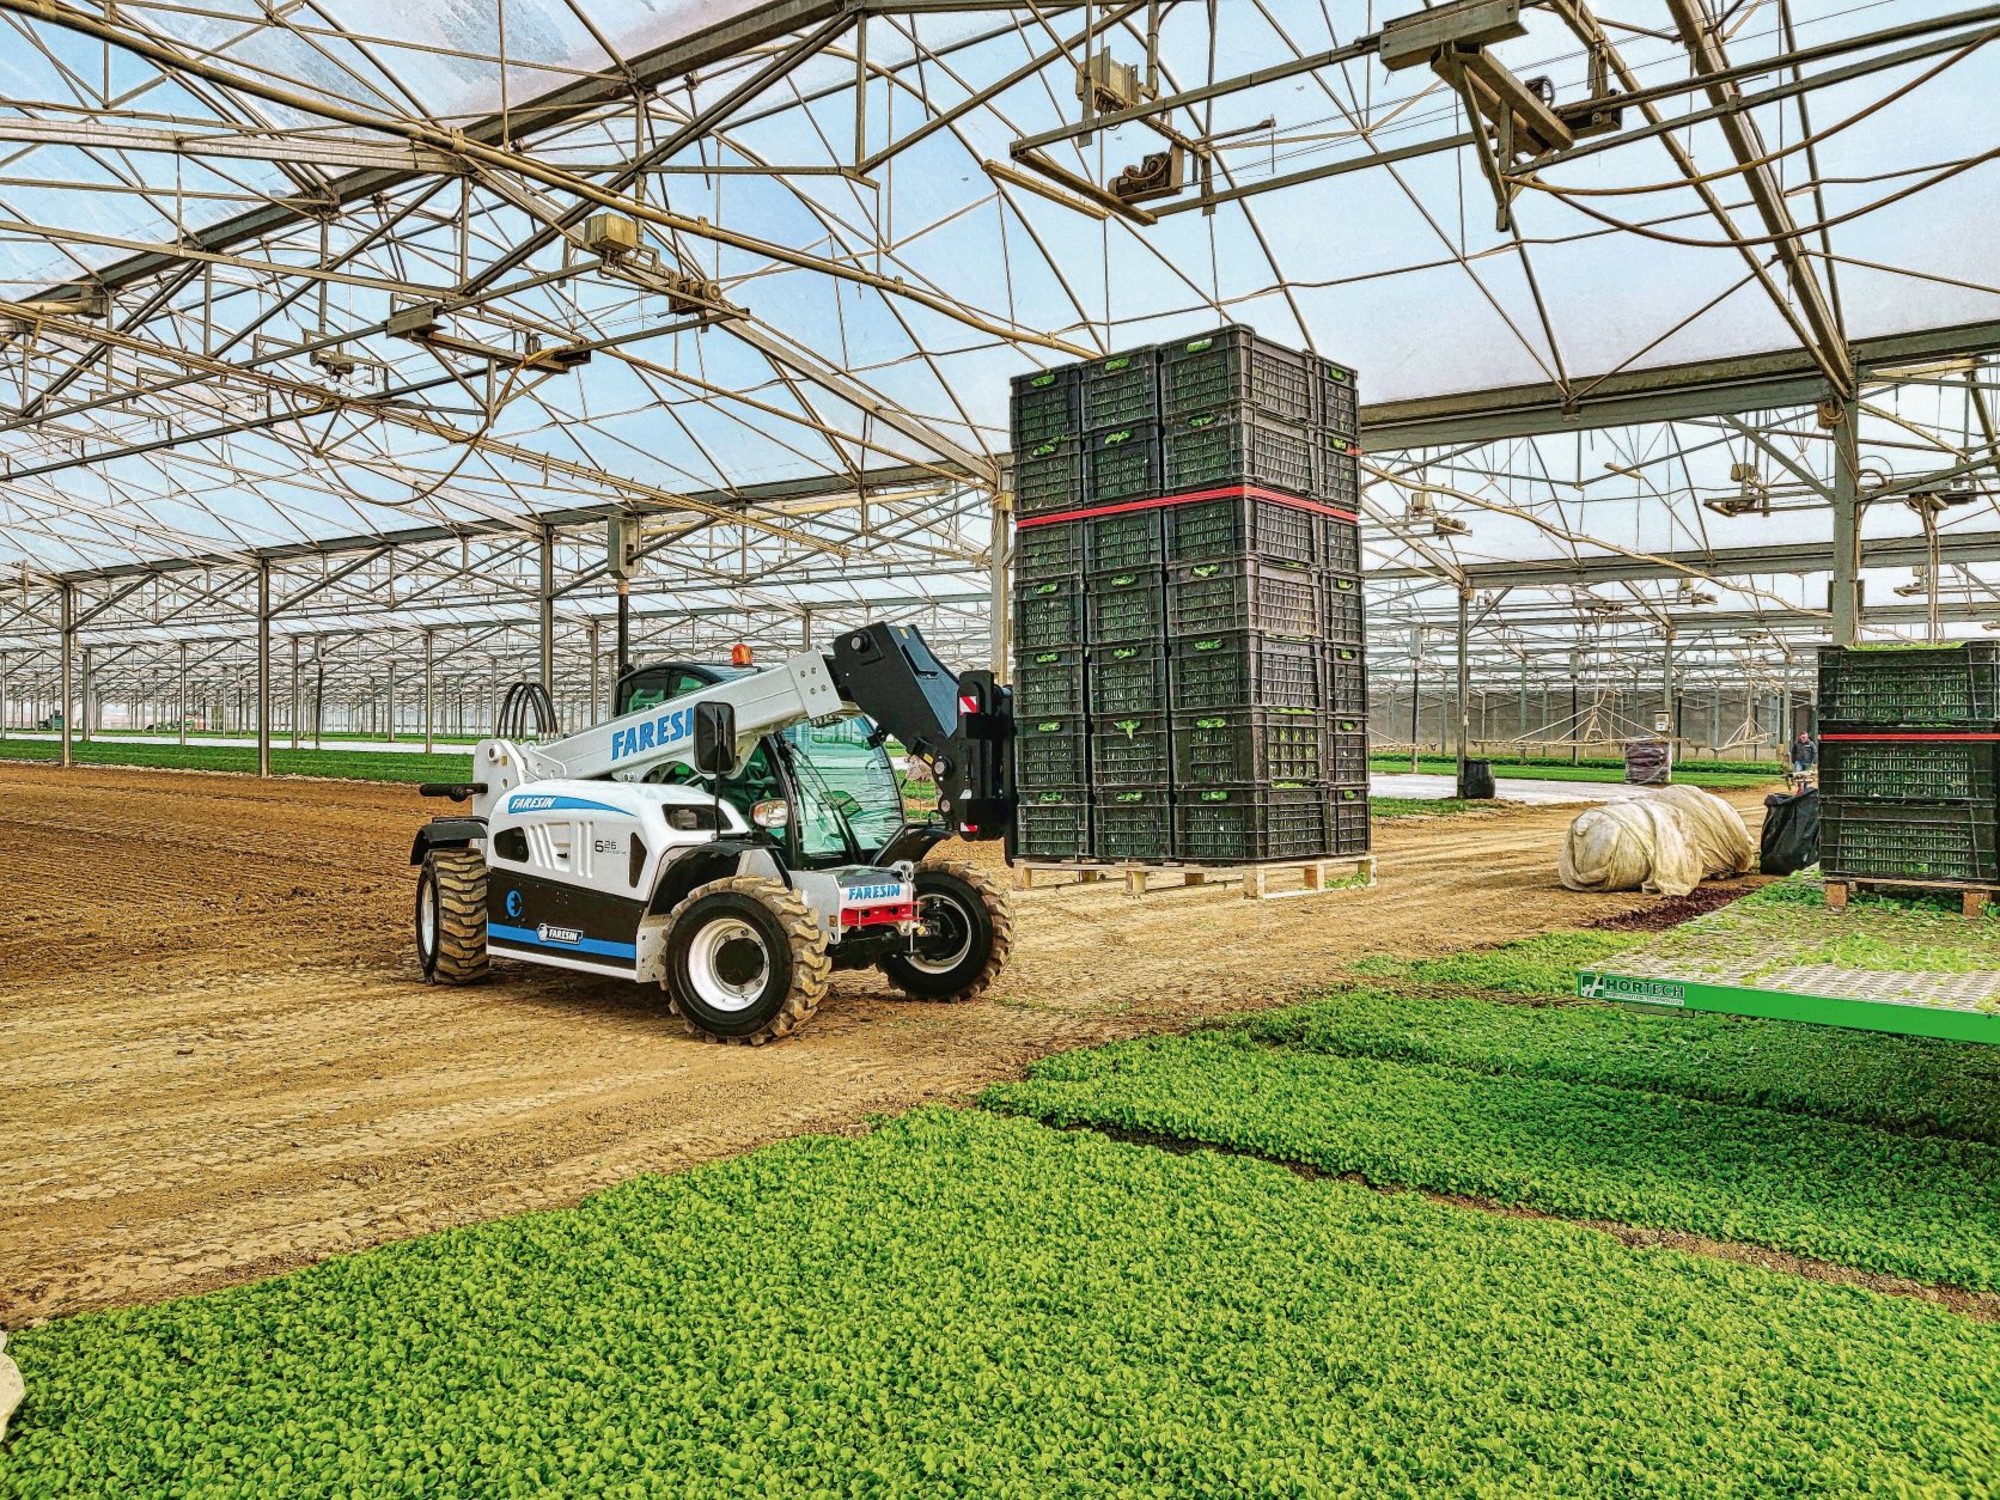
(217, 1060)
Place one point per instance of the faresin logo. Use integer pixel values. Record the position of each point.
(663, 733)
(1618, 987)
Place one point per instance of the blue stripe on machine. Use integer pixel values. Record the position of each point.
(534, 939)
(522, 802)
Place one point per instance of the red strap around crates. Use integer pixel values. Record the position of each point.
(1923, 737)
(1160, 502)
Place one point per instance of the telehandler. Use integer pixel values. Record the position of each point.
(733, 834)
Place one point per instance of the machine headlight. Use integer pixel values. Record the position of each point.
(772, 813)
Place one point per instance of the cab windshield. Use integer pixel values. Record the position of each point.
(842, 779)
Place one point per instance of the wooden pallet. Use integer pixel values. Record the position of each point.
(1317, 877)
(1972, 895)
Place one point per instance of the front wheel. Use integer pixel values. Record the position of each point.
(451, 916)
(745, 961)
(966, 931)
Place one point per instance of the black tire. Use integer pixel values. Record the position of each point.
(968, 931)
(451, 916)
(746, 961)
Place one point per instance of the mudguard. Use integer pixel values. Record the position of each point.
(446, 833)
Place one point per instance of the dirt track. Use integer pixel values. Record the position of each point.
(218, 1062)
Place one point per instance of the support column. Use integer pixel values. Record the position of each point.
(548, 611)
(264, 667)
(295, 692)
(1464, 691)
(1521, 719)
(430, 691)
(1845, 604)
(596, 700)
(186, 707)
(389, 706)
(1416, 695)
(1000, 551)
(3, 695)
(68, 655)
(1667, 698)
(623, 662)
(89, 707)
(1575, 709)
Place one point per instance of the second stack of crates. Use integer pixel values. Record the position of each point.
(1909, 751)
(1189, 677)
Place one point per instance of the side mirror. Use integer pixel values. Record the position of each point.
(715, 738)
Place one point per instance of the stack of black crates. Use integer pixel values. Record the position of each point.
(1909, 749)
(1189, 676)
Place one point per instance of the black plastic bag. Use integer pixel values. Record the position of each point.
(1791, 832)
(1477, 783)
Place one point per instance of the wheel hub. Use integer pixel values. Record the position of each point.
(945, 936)
(728, 964)
(739, 961)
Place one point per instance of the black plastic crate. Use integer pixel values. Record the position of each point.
(1242, 669)
(1244, 824)
(1341, 609)
(1124, 539)
(1047, 405)
(1336, 407)
(1910, 770)
(1925, 687)
(1132, 822)
(1048, 476)
(1129, 605)
(1908, 840)
(1129, 678)
(1232, 445)
(1048, 614)
(1051, 750)
(1121, 389)
(1053, 823)
(1240, 526)
(1339, 545)
(1346, 682)
(1346, 751)
(1049, 682)
(1336, 475)
(1123, 464)
(1243, 593)
(1234, 367)
(1051, 551)
(1248, 745)
(1347, 826)
(1130, 750)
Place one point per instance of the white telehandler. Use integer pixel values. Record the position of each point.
(733, 835)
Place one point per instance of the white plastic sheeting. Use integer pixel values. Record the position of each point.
(1668, 842)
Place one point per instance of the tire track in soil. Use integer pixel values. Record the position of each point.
(221, 1063)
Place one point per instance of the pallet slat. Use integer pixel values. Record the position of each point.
(1316, 877)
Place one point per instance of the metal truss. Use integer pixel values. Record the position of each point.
(350, 343)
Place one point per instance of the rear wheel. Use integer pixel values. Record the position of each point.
(451, 916)
(746, 961)
(967, 930)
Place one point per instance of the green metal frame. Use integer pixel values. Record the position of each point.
(1899, 1018)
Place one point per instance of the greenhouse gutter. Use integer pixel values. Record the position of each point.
(1703, 388)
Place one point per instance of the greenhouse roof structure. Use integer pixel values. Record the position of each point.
(1673, 318)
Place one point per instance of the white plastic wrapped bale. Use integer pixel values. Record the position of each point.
(1667, 842)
